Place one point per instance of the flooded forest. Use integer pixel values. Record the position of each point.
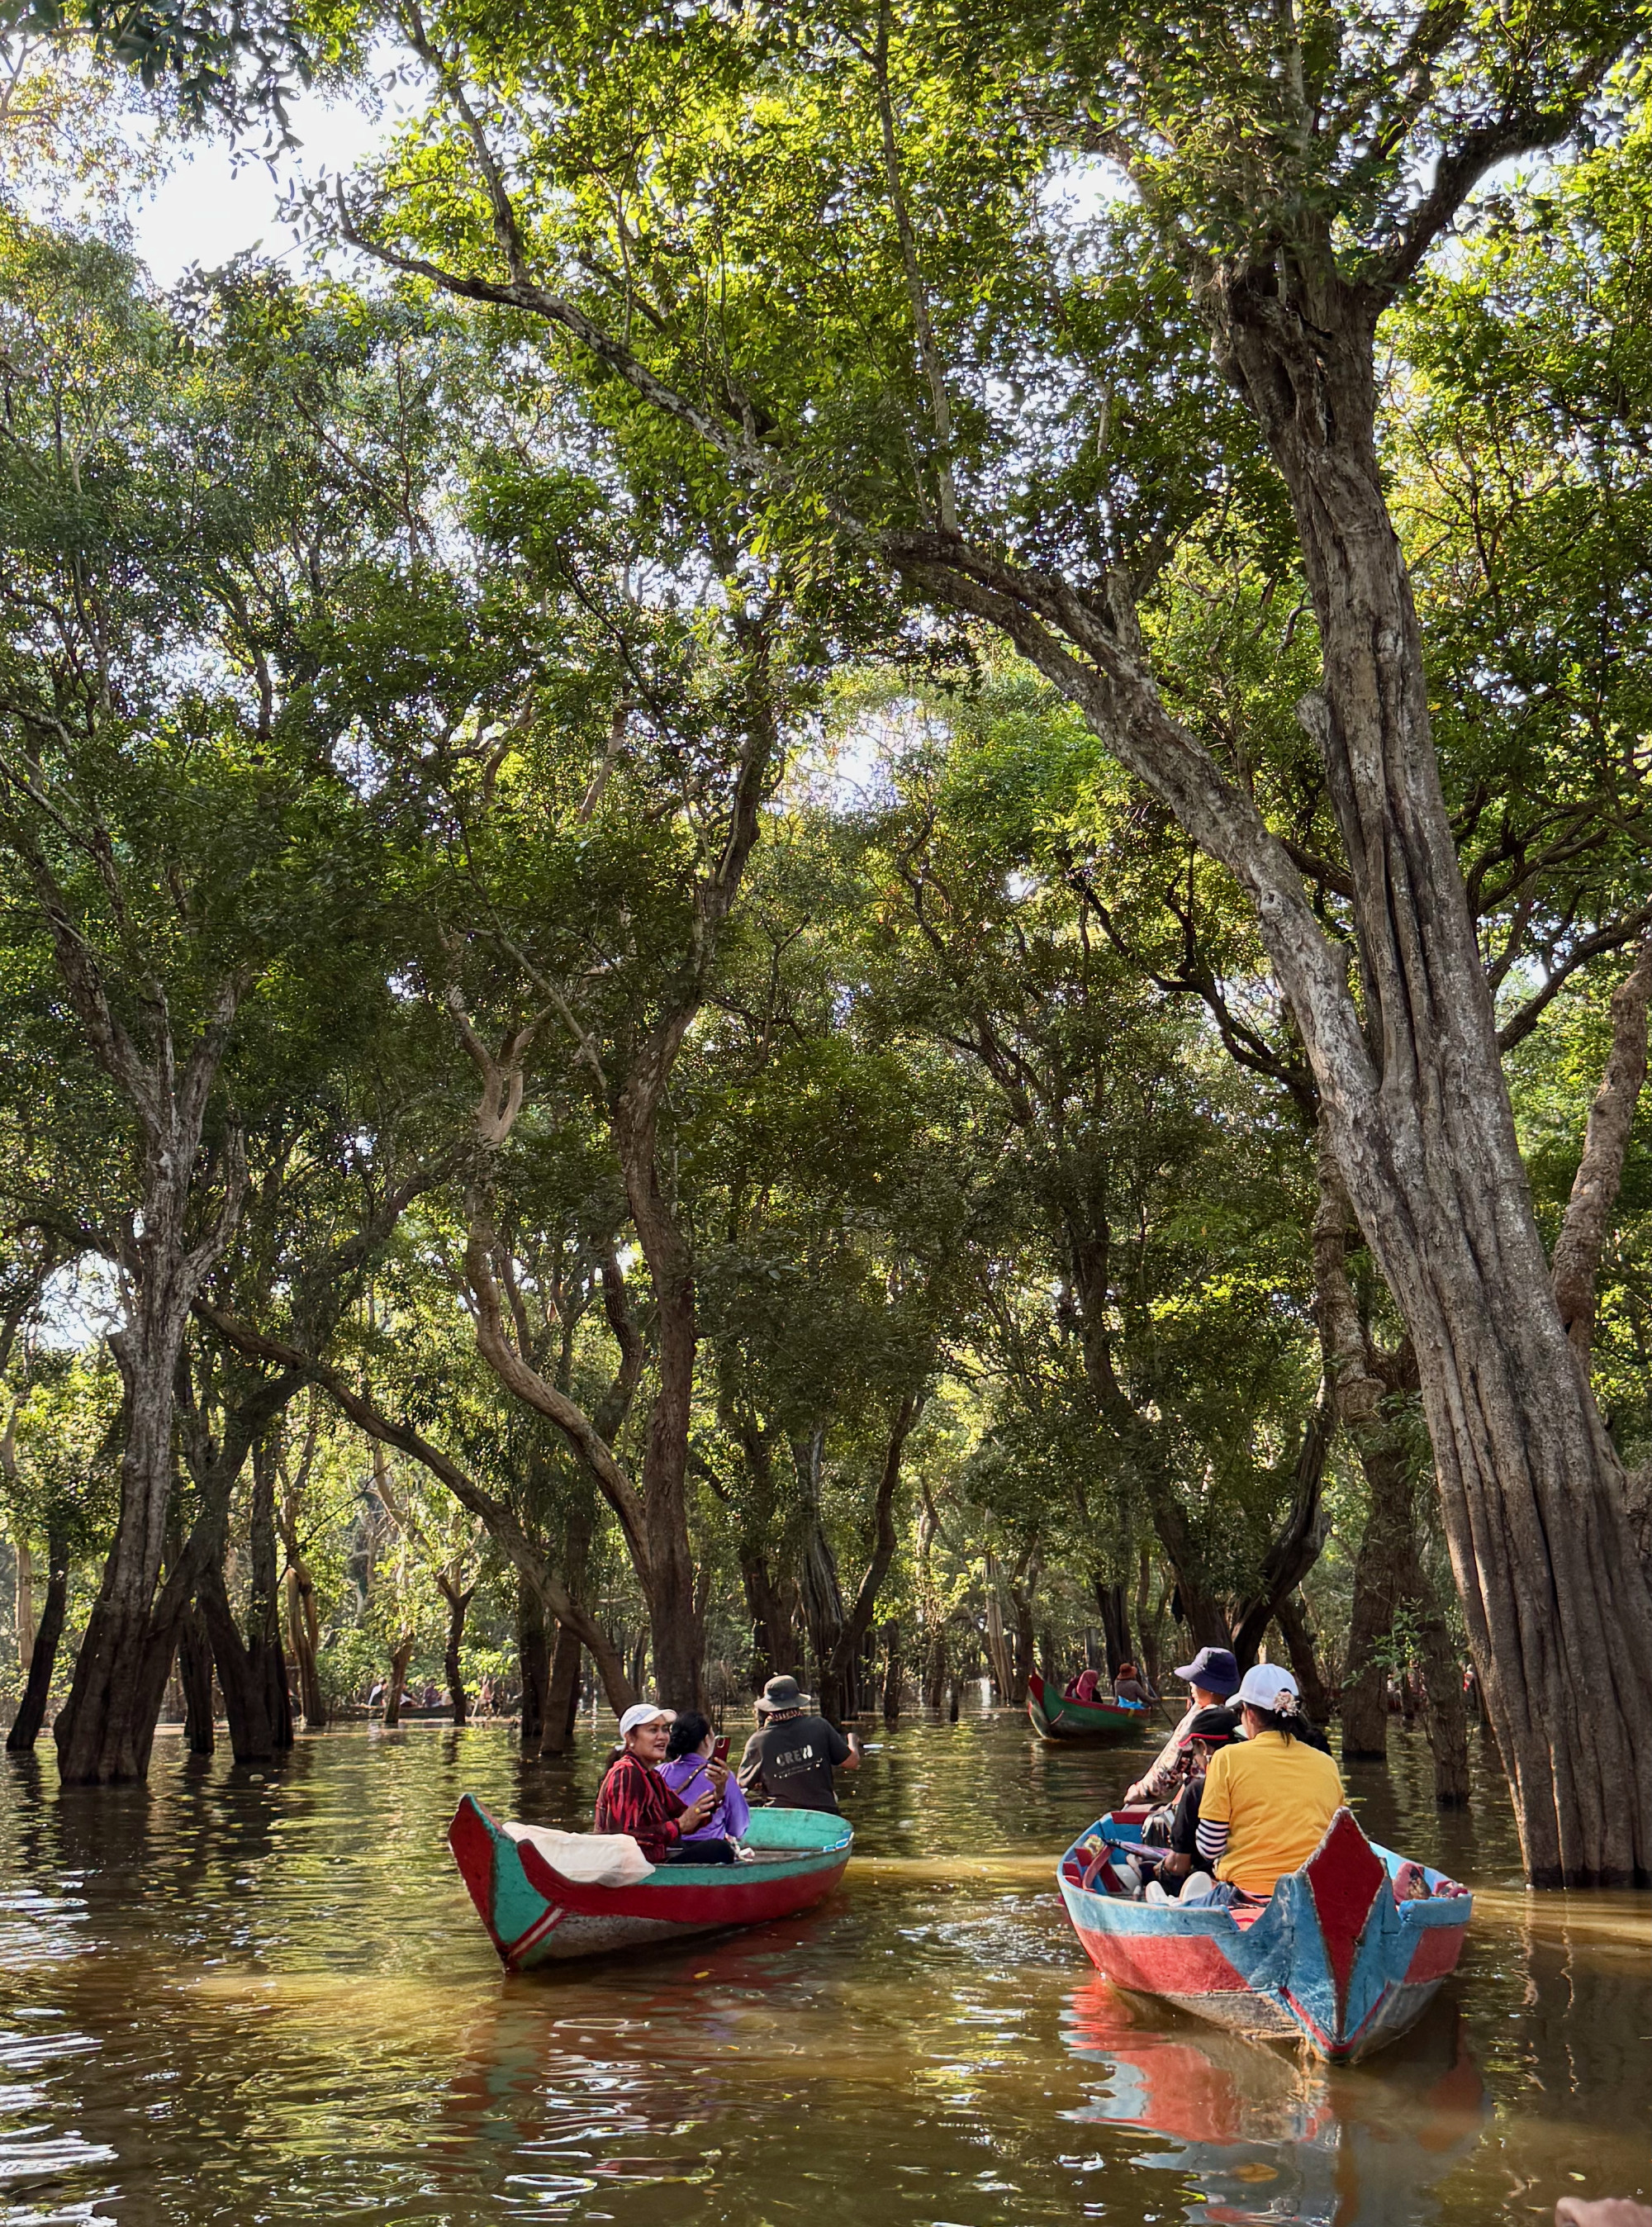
(824, 857)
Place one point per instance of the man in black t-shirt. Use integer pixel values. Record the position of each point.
(791, 1755)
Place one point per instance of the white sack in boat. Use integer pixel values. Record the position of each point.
(588, 1859)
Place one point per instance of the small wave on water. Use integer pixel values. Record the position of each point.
(240, 2000)
(37, 2155)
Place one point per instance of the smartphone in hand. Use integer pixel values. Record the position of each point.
(720, 1751)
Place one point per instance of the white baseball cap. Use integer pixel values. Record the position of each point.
(1269, 1685)
(644, 1713)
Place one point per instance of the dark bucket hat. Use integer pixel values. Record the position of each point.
(1213, 1667)
(786, 1694)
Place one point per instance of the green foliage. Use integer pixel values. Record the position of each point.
(388, 664)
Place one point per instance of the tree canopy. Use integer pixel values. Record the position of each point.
(850, 871)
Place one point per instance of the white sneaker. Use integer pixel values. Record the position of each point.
(1198, 1887)
(1155, 1892)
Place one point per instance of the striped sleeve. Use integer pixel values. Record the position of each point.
(1212, 1840)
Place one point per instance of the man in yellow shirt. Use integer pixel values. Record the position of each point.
(1268, 1800)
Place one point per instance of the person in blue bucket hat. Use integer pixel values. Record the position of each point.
(1213, 1679)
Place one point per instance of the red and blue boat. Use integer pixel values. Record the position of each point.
(1054, 1718)
(1332, 1958)
(536, 1916)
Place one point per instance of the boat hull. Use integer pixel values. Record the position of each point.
(534, 1916)
(1333, 1959)
(1054, 1719)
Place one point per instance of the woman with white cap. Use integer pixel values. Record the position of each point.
(635, 1799)
(1267, 1800)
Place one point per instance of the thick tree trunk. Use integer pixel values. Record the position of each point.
(773, 1605)
(1115, 1623)
(106, 1727)
(842, 1671)
(243, 1680)
(1300, 1538)
(1559, 1613)
(266, 1659)
(676, 1619)
(562, 1695)
(1148, 1620)
(656, 1530)
(820, 1586)
(304, 1638)
(43, 1643)
(935, 1670)
(533, 1655)
(1600, 1172)
(1002, 1670)
(1381, 1569)
(400, 1656)
(458, 1600)
(1025, 1644)
(894, 1673)
(675, 1623)
(196, 1677)
(23, 1603)
(1142, 1447)
(1023, 1660)
(1299, 1638)
(1443, 1718)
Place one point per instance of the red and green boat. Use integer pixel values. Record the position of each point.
(1332, 1958)
(1056, 1718)
(536, 1916)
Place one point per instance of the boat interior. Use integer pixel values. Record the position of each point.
(1096, 1864)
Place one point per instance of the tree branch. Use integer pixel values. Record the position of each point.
(526, 1383)
(499, 1518)
(1594, 1192)
(1612, 937)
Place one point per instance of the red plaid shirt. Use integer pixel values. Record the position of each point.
(634, 1799)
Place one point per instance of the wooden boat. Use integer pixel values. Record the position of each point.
(1331, 1958)
(535, 1916)
(1054, 1719)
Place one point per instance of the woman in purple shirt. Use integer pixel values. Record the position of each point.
(684, 1771)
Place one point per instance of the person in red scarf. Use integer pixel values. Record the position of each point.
(634, 1799)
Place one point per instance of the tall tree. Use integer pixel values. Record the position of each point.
(181, 847)
(1292, 174)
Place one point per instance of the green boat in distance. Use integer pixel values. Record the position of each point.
(1054, 1719)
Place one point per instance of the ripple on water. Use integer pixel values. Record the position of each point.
(37, 2154)
(238, 2001)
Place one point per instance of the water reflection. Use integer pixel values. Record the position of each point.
(1264, 2135)
(241, 1997)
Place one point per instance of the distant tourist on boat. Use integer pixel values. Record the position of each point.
(685, 1771)
(1213, 1678)
(1081, 1687)
(791, 1755)
(1266, 1800)
(1131, 1686)
(635, 1799)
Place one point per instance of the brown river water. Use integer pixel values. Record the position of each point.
(232, 1998)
